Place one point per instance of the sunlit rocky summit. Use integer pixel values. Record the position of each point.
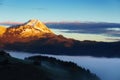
(2, 30)
(35, 37)
(31, 30)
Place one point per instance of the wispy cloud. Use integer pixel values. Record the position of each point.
(113, 39)
(108, 29)
(10, 23)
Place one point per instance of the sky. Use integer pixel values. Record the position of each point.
(80, 11)
(60, 10)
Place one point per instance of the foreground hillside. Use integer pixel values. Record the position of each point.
(41, 68)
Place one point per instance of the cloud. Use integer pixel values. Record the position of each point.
(108, 29)
(113, 39)
(114, 29)
(10, 23)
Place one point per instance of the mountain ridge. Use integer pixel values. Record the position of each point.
(31, 30)
(27, 39)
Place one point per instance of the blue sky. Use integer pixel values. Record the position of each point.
(60, 10)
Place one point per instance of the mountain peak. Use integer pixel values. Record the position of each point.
(38, 25)
(32, 22)
(31, 30)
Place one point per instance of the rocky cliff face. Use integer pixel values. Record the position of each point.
(31, 30)
(2, 30)
(37, 25)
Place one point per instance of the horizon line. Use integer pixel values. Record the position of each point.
(53, 22)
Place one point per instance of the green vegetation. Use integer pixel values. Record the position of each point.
(41, 68)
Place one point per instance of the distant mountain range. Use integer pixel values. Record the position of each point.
(34, 36)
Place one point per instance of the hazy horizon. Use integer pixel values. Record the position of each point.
(67, 11)
(105, 32)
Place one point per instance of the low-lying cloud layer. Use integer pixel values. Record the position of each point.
(108, 29)
(98, 31)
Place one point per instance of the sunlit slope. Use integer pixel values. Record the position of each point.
(2, 30)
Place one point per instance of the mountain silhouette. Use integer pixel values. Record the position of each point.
(35, 37)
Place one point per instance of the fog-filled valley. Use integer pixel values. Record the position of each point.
(59, 39)
(105, 68)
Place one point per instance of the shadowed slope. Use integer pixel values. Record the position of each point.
(43, 68)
